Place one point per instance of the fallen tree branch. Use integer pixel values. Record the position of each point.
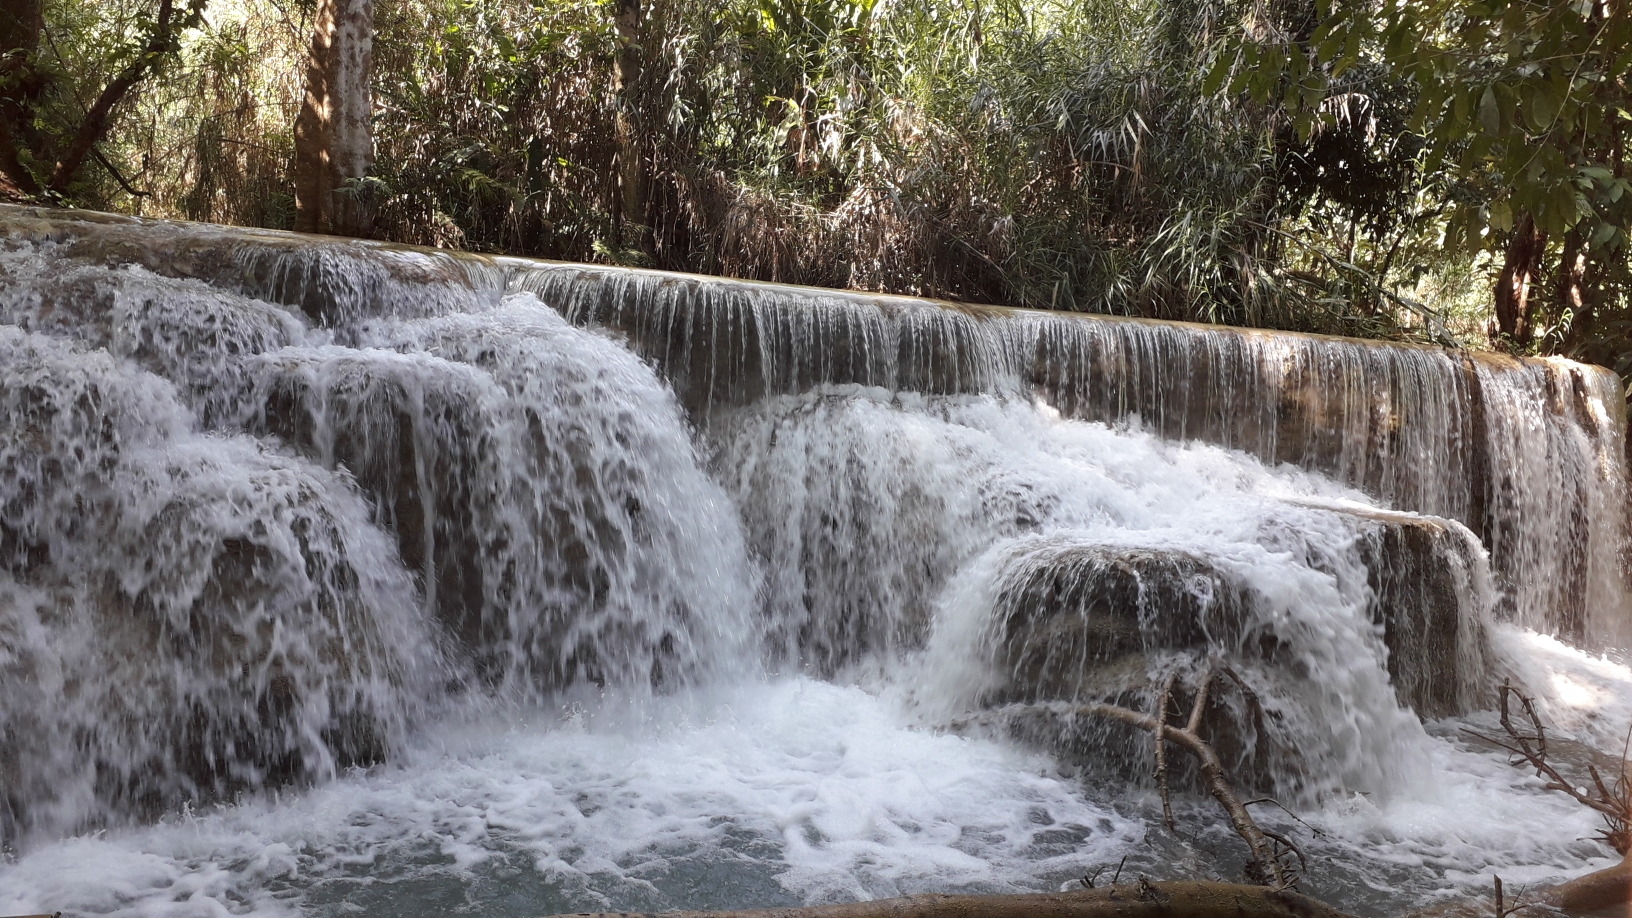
(1312, 830)
(1145, 899)
(1268, 865)
(1530, 748)
(1161, 753)
(1270, 896)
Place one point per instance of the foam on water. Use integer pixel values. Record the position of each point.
(792, 791)
(797, 790)
(1475, 817)
(1582, 695)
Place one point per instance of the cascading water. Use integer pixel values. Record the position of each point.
(1525, 454)
(333, 573)
(540, 482)
(186, 615)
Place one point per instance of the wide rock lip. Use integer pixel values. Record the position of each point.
(15, 217)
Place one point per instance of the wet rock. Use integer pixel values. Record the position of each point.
(1078, 624)
(226, 656)
(1068, 619)
(182, 617)
(1426, 576)
(333, 281)
(1081, 624)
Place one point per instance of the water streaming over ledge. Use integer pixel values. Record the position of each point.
(275, 509)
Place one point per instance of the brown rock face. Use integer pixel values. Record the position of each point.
(1088, 624)
(1424, 574)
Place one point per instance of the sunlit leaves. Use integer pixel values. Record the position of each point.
(1520, 102)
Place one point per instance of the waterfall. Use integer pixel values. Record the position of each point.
(185, 615)
(236, 555)
(281, 514)
(1498, 444)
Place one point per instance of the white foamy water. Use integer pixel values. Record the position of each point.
(791, 791)
(795, 790)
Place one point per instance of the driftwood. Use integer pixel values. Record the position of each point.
(1145, 899)
(1593, 893)
(1528, 746)
(1268, 865)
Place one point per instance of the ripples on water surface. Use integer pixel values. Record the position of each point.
(783, 792)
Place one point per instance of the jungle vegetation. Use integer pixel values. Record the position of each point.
(1451, 170)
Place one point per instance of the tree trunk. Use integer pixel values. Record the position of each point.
(1144, 899)
(1524, 253)
(21, 23)
(100, 116)
(629, 204)
(334, 142)
(21, 26)
(1570, 295)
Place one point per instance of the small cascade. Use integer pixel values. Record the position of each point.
(182, 616)
(845, 500)
(274, 509)
(540, 483)
(1494, 443)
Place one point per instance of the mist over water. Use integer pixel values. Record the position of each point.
(334, 577)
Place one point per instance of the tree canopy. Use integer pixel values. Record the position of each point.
(1518, 118)
(1451, 171)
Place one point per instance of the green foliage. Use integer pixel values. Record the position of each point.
(1054, 155)
(1516, 109)
(63, 95)
(1078, 154)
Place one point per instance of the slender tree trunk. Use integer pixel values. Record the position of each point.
(629, 204)
(1572, 277)
(334, 141)
(1513, 308)
(21, 23)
